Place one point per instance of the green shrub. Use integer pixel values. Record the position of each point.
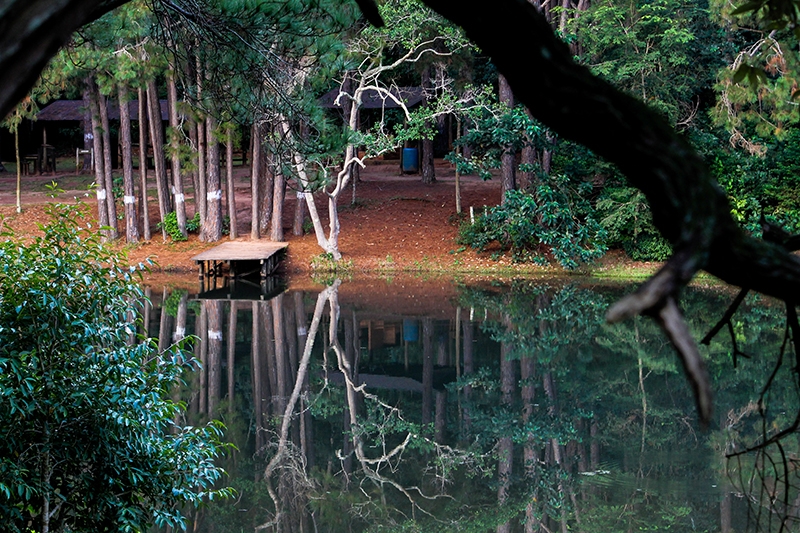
(192, 224)
(648, 247)
(626, 217)
(88, 428)
(533, 226)
(170, 225)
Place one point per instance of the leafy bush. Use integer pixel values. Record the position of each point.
(192, 224)
(626, 217)
(170, 225)
(89, 438)
(531, 226)
(493, 132)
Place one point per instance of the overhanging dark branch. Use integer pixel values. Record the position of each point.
(689, 209)
(31, 32)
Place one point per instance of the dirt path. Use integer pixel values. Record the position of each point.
(397, 223)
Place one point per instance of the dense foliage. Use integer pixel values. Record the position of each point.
(732, 91)
(534, 227)
(90, 439)
(626, 217)
(170, 225)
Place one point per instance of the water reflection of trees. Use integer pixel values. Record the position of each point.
(527, 413)
(760, 436)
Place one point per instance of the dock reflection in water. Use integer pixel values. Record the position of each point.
(494, 408)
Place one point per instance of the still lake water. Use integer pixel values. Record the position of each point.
(376, 405)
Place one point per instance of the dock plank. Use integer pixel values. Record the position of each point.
(241, 251)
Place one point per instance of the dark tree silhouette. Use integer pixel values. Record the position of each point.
(31, 32)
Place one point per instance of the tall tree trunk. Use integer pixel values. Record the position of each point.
(201, 193)
(233, 232)
(428, 170)
(299, 214)
(547, 153)
(177, 179)
(505, 445)
(107, 170)
(527, 180)
(180, 318)
(204, 346)
(530, 456)
(191, 125)
(214, 362)
(278, 189)
(458, 174)
(143, 166)
(19, 169)
(232, 324)
(97, 142)
(163, 323)
(266, 185)
(507, 159)
(212, 227)
(129, 198)
(576, 46)
(257, 364)
(427, 369)
(329, 244)
(156, 136)
(255, 178)
(282, 366)
(352, 118)
(564, 17)
(86, 125)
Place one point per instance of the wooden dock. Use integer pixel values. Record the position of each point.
(242, 257)
(244, 289)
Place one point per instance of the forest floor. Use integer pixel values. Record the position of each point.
(397, 224)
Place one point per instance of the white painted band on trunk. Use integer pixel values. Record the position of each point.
(214, 335)
(180, 332)
(302, 332)
(179, 198)
(300, 195)
(101, 194)
(214, 195)
(129, 200)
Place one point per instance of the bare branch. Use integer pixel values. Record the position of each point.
(672, 322)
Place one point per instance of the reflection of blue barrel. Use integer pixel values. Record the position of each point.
(410, 330)
(410, 160)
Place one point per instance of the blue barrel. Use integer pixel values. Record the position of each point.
(410, 330)
(410, 160)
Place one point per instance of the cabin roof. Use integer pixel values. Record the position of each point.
(63, 110)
